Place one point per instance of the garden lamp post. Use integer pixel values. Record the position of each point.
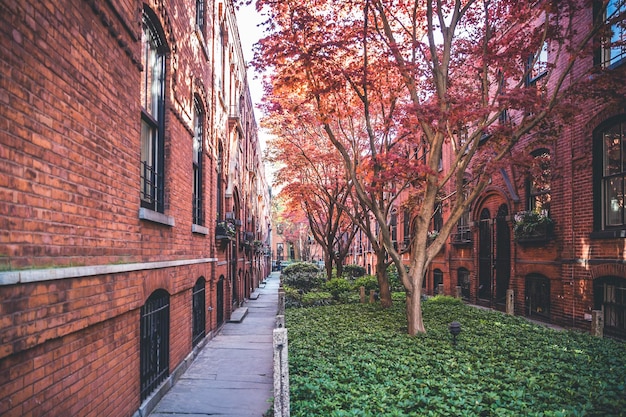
(455, 329)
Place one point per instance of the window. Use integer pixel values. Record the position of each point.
(220, 183)
(463, 281)
(154, 345)
(198, 208)
(200, 15)
(438, 217)
(539, 182)
(614, 49)
(437, 280)
(152, 117)
(393, 226)
(198, 315)
(610, 174)
(463, 230)
(407, 228)
(537, 65)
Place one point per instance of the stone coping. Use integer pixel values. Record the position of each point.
(48, 274)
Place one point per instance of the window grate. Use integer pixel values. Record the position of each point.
(154, 343)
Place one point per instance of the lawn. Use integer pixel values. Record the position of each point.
(356, 360)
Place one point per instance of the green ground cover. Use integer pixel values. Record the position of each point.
(356, 360)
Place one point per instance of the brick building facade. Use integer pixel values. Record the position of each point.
(134, 210)
(572, 271)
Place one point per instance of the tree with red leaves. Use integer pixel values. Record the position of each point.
(313, 183)
(396, 84)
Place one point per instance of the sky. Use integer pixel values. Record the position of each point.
(248, 21)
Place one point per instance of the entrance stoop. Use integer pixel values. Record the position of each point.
(238, 315)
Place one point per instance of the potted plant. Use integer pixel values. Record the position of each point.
(225, 230)
(532, 226)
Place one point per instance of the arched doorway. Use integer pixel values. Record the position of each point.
(220, 300)
(537, 297)
(609, 294)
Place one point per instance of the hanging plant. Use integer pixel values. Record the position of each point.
(532, 225)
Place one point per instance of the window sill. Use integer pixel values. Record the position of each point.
(153, 216)
(201, 230)
(608, 234)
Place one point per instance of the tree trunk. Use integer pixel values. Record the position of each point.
(383, 282)
(339, 265)
(414, 302)
(328, 265)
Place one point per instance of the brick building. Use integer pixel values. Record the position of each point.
(570, 269)
(134, 210)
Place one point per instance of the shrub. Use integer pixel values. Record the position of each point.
(394, 278)
(353, 271)
(368, 281)
(302, 276)
(338, 287)
(317, 298)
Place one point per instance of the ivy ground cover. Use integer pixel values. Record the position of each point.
(356, 360)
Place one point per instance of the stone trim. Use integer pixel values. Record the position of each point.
(48, 274)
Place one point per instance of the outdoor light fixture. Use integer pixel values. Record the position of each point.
(455, 329)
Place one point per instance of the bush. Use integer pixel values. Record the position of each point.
(353, 271)
(303, 276)
(298, 298)
(368, 281)
(338, 286)
(317, 298)
(394, 278)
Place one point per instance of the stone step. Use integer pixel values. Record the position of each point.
(238, 315)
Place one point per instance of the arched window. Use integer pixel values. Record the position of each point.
(437, 280)
(463, 281)
(152, 114)
(154, 344)
(609, 295)
(610, 175)
(198, 304)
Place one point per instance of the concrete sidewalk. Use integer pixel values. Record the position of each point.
(233, 374)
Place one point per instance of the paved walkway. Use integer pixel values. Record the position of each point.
(233, 374)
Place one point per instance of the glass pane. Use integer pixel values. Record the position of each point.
(617, 50)
(614, 201)
(156, 70)
(197, 140)
(612, 151)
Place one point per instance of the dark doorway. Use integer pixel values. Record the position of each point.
(503, 255)
(609, 295)
(485, 261)
(537, 297)
(220, 301)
